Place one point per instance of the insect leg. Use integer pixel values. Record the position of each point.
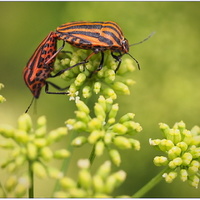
(55, 86)
(55, 54)
(118, 59)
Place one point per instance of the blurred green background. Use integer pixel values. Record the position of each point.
(167, 88)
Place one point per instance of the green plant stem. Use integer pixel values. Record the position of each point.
(66, 161)
(31, 175)
(150, 184)
(92, 156)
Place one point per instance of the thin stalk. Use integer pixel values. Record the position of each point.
(31, 175)
(92, 155)
(152, 183)
(66, 161)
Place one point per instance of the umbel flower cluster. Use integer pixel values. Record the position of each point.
(86, 81)
(182, 149)
(32, 147)
(99, 185)
(102, 130)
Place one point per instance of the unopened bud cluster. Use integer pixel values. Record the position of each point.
(87, 80)
(103, 130)
(99, 185)
(182, 148)
(32, 146)
(2, 99)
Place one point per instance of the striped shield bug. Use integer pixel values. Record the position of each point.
(40, 65)
(98, 37)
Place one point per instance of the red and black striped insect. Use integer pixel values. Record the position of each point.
(40, 66)
(96, 36)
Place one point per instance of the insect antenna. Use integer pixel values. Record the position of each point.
(143, 40)
(140, 43)
(30, 105)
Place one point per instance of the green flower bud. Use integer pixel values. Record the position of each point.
(115, 157)
(174, 135)
(108, 137)
(67, 183)
(21, 136)
(122, 142)
(99, 148)
(7, 144)
(195, 151)
(194, 181)
(80, 79)
(155, 142)
(111, 121)
(129, 82)
(110, 184)
(109, 76)
(174, 152)
(182, 145)
(25, 123)
(7, 131)
(97, 87)
(79, 141)
(87, 92)
(99, 112)
(195, 140)
(2, 99)
(121, 87)
(120, 129)
(183, 175)
(110, 93)
(46, 153)
(83, 163)
(82, 107)
(194, 167)
(170, 177)
(62, 153)
(135, 144)
(82, 116)
(94, 124)
(80, 126)
(187, 137)
(120, 177)
(160, 161)
(166, 145)
(41, 121)
(41, 132)
(57, 134)
(85, 179)
(40, 142)
(113, 111)
(11, 182)
(54, 173)
(181, 125)
(165, 128)
(175, 163)
(20, 190)
(133, 127)
(187, 158)
(98, 184)
(32, 151)
(104, 170)
(127, 117)
(39, 170)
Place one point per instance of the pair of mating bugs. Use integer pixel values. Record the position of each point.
(95, 36)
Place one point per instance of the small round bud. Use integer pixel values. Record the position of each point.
(32, 151)
(62, 153)
(25, 122)
(183, 175)
(79, 141)
(115, 157)
(175, 163)
(39, 170)
(99, 148)
(122, 142)
(170, 177)
(160, 161)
